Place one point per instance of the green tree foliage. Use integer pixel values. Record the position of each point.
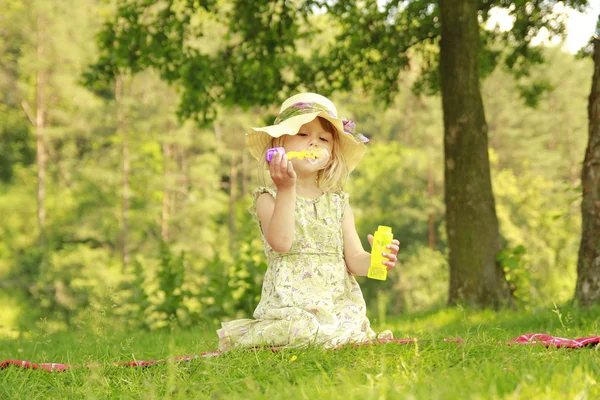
(217, 52)
(250, 53)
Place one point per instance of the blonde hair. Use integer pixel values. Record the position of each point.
(329, 179)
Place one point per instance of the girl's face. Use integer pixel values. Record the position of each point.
(309, 136)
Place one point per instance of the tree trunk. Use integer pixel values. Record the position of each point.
(119, 85)
(587, 291)
(40, 125)
(471, 222)
(185, 181)
(233, 178)
(245, 176)
(167, 198)
(430, 217)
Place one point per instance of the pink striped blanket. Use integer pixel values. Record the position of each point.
(527, 339)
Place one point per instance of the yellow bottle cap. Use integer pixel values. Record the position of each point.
(383, 228)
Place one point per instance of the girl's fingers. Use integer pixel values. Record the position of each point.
(391, 257)
(290, 170)
(281, 168)
(274, 165)
(276, 160)
(389, 265)
(283, 165)
(393, 247)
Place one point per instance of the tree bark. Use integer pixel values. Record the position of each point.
(472, 226)
(245, 176)
(430, 217)
(40, 126)
(233, 182)
(119, 86)
(167, 148)
(185, 180)
(587, 291)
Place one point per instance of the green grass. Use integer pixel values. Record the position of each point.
(480, 368)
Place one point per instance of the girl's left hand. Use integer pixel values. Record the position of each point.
(391, 254)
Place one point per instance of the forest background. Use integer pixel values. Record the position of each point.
(174, 243)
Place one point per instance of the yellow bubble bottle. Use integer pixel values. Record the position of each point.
(381, 239)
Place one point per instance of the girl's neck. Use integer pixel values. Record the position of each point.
(308, 187)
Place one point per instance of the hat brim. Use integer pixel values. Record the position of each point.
(258, 139)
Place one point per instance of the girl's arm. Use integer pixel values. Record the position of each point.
(277, 218)
(357, 259)
(277, 215)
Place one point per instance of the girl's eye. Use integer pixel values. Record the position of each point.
(324, 139)
(302, 134)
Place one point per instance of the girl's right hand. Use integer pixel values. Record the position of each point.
(282, 171)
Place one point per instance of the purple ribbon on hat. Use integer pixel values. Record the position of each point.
(350, 127)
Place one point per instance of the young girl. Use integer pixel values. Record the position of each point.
(309, 294)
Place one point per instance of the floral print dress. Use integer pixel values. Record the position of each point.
(308, 295)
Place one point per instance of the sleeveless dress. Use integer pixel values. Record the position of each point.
(308, 296)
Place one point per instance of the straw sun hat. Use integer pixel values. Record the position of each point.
(301, 109)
